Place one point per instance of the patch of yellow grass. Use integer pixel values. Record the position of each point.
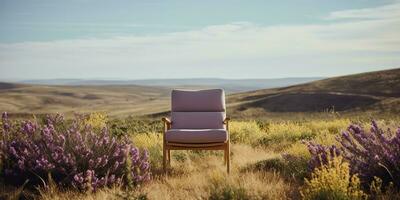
(244, 132)
(152, 142)
(298, 149)
(329, 126)
(333, 181)
(217, 184)
(97, 120)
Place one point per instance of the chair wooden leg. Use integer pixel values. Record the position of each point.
(169, 157)
(228, 152)
(225, 151)
(164, 160)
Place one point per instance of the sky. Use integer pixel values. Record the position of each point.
(130, 39)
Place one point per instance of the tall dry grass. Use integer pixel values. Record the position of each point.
(200, 176)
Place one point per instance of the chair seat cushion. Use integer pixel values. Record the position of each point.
(196, 136)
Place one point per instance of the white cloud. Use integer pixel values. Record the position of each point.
(239, 49)
(382, 12)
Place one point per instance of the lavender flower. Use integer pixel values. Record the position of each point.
(320, 155)
(374, 153)
(73, 154)
(371, 154)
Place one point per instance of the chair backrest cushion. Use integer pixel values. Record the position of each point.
(201, 109)
(198, 100)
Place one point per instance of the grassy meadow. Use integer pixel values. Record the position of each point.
(269, 161)
(281, 143)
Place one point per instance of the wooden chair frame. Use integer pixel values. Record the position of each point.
(168, 146)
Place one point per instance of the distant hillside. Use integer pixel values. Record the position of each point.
(372, 92)
(115, 100)
(376, 91)
(230, 85)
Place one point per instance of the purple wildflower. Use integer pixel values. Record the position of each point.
(73, 154)
(370, 154)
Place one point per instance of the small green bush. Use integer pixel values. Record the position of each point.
(223, 188)
(287, 165)
(228, 192)
(286, 133)
(131, 126)
(244, 132)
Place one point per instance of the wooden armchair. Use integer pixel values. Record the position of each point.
(198, 122)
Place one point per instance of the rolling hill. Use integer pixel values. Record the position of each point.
(115, 100)
(373, 91)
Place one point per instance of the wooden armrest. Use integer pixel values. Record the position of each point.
(166, 120)
(167, 123)
(226, 120)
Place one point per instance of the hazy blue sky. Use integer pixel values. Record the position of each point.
(128, 39)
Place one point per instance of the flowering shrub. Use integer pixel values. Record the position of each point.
(333, 181)
(73, 154)
(321, 155)
(97, 120)
(373, 154)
